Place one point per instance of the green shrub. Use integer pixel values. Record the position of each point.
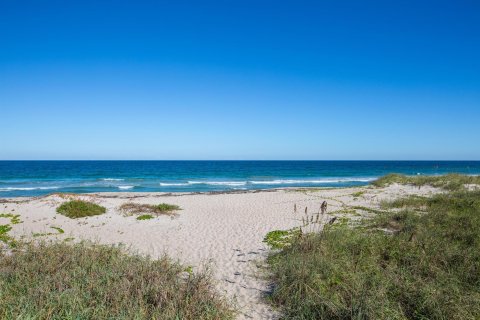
(80, 209)
(165, 207)
(145, 217)
(425, 267)
(85, 281)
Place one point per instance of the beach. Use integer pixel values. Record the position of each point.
(221, 231)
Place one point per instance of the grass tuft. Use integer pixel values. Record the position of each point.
(145, 217)
(79, 209)
(131, 208)
(87, 281)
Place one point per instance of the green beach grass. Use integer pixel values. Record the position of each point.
(419, 259)
(89, 281)
(79, 209)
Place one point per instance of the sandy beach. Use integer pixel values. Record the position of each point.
(222, 231)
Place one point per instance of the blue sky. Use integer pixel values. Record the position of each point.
(240, 79)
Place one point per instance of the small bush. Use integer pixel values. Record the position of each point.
(79, 209)
(145, 217)
(165, 207)
(158, 209)
(84, 281)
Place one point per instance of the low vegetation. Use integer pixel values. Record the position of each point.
(87, 281)
(79, 209)
(58, 229)
(279, 239)
(417, 259)
(14, 218)
(4, 237)
(131, 208)
(6, 228)
(358, 194)
(145, 217)
(451, 182)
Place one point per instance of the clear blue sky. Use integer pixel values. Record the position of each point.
(244, 79)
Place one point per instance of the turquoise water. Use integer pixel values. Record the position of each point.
(32, 178)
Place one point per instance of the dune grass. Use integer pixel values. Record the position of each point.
(145, 217)
(425, 267)
(131, 208)
(451, 182)
(79, 209)
(89, 281)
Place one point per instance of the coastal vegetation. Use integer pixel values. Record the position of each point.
(58, 229)
(417, 258)
(79, 209)
(6, 228)
(131, 208)
(90, 281)
(451, 182)
(145, 217)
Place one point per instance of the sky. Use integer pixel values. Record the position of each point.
(246, 79)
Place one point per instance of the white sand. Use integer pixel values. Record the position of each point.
(225, 230)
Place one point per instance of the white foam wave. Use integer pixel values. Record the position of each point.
(265, 182)
(125, 187)
(327, 180)
(220, 183)
(27, 188)
(112, 179)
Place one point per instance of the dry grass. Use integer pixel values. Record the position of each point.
(131, 208)
(88, 281)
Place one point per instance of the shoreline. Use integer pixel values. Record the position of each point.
(139, 194)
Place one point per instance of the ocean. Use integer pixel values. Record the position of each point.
(34, 178)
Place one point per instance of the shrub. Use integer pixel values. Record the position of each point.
(145, 217)
(158, 209)
(80, 209)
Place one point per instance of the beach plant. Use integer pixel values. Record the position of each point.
(79, 209)
(131, 208)
(166, 207)
(4, 237)
(279, 239)
(14, 218)
(358, 194)
(401, 264)
(89, 281)
(450, 182)
(6, 228)
(59, 231)
(145, 217)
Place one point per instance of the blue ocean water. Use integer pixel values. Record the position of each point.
(33, 178)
